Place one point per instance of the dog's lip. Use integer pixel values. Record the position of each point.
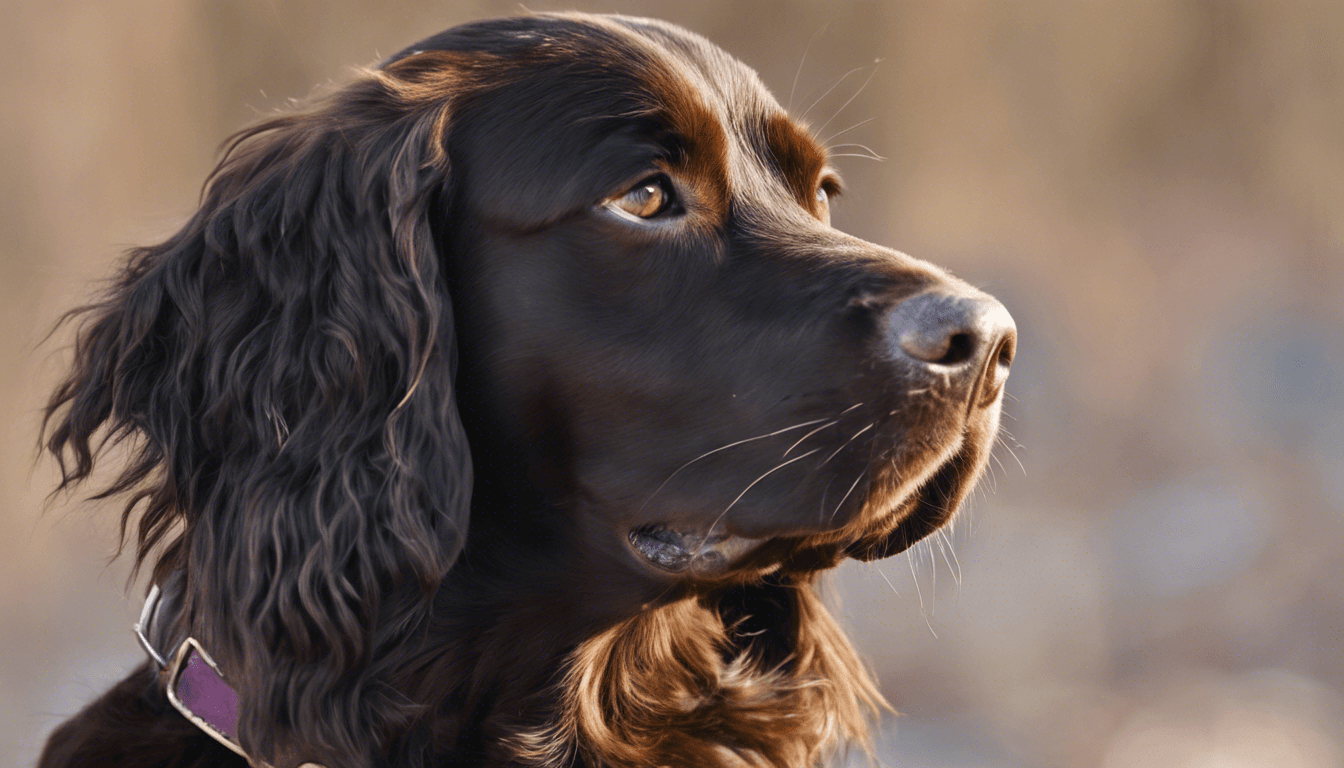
(677, 551)
(922, 511)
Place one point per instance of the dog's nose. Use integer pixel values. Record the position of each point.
(960, 333)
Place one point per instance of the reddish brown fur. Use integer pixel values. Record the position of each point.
(797, 157)
(656, 690)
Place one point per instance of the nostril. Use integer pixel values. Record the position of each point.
(960, 348)
(1000, 362)
(1005, 357)
(937, 328)
(953, 330)
(938, 346)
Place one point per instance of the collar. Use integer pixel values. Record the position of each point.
(193, 681)
(194, 684)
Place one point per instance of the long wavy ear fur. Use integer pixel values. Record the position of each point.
(662, 688)
(280, 372)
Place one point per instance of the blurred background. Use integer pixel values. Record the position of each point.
(1153, 573)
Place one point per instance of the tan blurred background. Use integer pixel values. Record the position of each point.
(1156, 191)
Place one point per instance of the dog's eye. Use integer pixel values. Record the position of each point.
(646, 199)
(827, 190)
(823, 199)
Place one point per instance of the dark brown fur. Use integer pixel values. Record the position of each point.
(409, 309)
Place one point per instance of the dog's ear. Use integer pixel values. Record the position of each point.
(282, 372)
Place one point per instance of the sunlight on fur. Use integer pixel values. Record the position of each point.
(656, 689)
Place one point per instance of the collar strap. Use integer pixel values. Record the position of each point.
(196, 688)
(194, 682)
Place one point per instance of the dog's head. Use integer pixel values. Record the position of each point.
(590, 256)
(664, 333)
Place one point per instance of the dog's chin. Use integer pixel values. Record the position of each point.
(903, 519)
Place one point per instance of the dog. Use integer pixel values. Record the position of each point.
(502, 407)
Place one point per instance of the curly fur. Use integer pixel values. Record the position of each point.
(284, 367)
(409, 308)
(666, 687)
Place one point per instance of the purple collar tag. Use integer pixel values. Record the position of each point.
(196, 688)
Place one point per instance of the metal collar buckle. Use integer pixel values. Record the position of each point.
(194, 683)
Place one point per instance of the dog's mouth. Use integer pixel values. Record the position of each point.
(710, 552)
(687, 552)
(905, 494)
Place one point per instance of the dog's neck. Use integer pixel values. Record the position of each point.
(585, 671)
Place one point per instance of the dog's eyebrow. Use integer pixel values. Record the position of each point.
(695, 136)
(793, 151)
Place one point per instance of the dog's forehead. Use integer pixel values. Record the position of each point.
(565, 74)
(760, 134)
(657, 51)
(735, 87)
(756, 127)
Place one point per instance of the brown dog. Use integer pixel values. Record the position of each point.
(568, 282)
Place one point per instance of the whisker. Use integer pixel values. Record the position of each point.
(884, 578)
(1020, 465)
(1013, 453)
(847, 442)
(803, 61)
(846, 496)
(920, 593)
(852, 98)
(867, 149)
(724, 448)
(769, 472)
(855, 154)
(809, 434)
(838, 134)
(828, 90)
(1001, 469)
(853, 144)
(1004, 470)
(933, 565)
(953, 551)
(762, 477)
